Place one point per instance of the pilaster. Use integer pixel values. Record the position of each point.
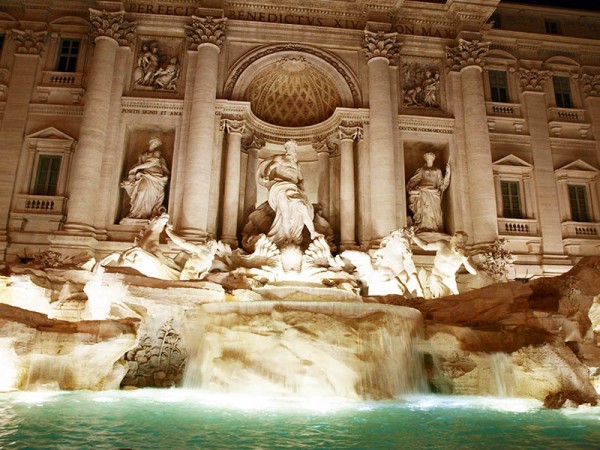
(381, 49)
(252, 145)
(532, 83)
(205, 35)
(231, 194)
(467, 59)
(323, 192)
(109, 30)
(28, 48)
(347, 136)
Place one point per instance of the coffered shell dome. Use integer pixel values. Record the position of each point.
(293, 93)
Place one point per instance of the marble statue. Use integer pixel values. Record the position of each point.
(199, 257)
(425, 190)
(392, 270)
(147, 65)
(449, 257)
(165, 77)
(421, 86)
(146, 181)
(145, 256)
(282, 176)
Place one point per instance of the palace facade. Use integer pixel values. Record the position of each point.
(113, 111)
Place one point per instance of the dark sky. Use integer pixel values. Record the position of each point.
(592, 5)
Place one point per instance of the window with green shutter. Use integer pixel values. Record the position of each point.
(511, 202)
(46, 178)
(579, 206)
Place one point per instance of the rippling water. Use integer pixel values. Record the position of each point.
(177, 418)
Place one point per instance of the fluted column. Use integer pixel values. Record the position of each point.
(253, 146)
(347, 137)
(323, 193)
(109, 31)
(28, 46)
(231, 194)
(534, 97)
(206, 36)
(381, 49)
(466, 59)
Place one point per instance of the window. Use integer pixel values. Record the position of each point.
(46, 178)
(511, 204)
(67, 55)
(562, 92)
(499, 86)
(552, 26)
(578, 200)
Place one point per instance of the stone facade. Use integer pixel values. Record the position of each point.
(364, 88)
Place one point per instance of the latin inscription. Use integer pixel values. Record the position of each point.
(291, 19)
(154, 112)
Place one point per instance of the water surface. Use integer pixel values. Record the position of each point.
(178, 418)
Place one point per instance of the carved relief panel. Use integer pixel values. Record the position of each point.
(158, 65)
(421, 84)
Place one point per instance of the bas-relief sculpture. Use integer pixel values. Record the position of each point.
(421, 86)
(146, 181)
(151, 72)
(425, 190)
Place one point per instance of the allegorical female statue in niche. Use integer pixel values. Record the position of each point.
(425, 190)
(146, 181)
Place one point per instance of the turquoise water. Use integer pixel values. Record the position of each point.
(179, 419)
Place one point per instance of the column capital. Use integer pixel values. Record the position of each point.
(253, 141)
(28, 42)
(112, 25)
(234, 126)
(591, 85)
(349, 133)
(381, 45)
(324, 147)
(206, 30)
(466, 53)
(533, 80)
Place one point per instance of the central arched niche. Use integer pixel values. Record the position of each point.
(292, 85)
(291, 92)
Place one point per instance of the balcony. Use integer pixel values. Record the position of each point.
(40, 204)
(517, 227)
(566, 115)
(581, 230)
(62, 79)
(495, 109)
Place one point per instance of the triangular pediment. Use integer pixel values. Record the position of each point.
(50, 133)
(513, 161)
(580, 166)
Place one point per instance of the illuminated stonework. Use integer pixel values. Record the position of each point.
(292, 93)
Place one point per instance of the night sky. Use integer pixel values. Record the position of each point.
(592, 5)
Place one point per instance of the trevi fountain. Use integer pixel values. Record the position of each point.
(285, 341)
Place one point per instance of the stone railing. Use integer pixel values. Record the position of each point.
(566, 115)
(62, 79)
(503, 109)
(40, 204)
(584, 230)
(525, 227)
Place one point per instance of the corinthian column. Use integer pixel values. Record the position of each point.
(206, 36)
(323, 197)
(347, 137)
(381, 49)
(466, 61)
(253, 146)
(231, 194)
(109, 30)
(591, 91)
(534, 97)
(28, 47)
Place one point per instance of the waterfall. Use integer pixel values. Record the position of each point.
(502, 375)
(306, 349)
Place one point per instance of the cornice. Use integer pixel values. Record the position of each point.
(55, 110)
